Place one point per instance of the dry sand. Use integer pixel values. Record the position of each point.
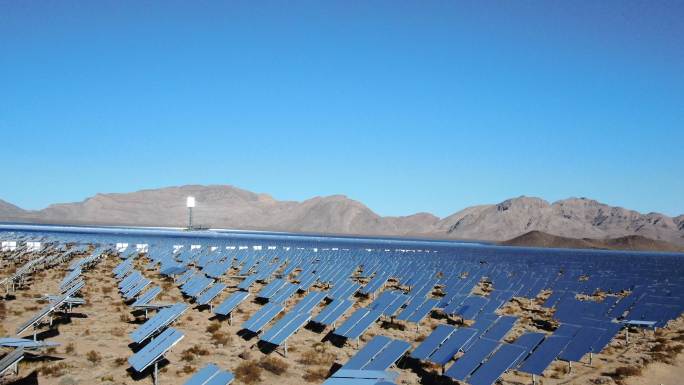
(95, 342)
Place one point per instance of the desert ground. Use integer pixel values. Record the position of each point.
(95, 344)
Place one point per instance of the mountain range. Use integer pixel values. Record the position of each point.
(230, 207)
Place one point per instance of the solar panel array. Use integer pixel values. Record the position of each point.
(304, 280)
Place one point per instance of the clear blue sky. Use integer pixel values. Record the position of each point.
(405, 106)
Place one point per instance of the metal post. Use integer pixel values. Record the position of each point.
(154, 375)
(189, 217)
(627, 335)
(534, 379)
(591, 357)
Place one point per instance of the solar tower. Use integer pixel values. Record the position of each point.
(190, 203)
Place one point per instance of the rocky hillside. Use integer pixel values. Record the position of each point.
(573, 218)
(630, 242)
(231, 207)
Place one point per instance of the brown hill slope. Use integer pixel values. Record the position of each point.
(631, 242)
(230, 207)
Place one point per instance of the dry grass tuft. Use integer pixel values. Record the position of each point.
(55, 370)
(221, 338)
(94, 357)
(623, 372)
(315, 374)
(273, 365)
(213, 327)
(187, 369)
(248, 372)
(317, 356)
(193, 352)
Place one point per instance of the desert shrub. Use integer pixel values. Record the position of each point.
(221, 338)
(316, 356)
(118, 332)
(315, 374)
(187, 369)
(274, 365)
(213, 327)
(54, 370)
(393, 325)
(70, 348)
(248, 372)
(191, 353)
(106, 378)
(120, 361)
(623, 372)
(94, 357)
(106, 289)
(124, 317)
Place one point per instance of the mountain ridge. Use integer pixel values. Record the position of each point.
(232, 207)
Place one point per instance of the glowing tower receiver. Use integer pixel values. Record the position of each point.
(190, 203)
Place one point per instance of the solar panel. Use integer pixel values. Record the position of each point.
(528, 341)
(432, 342)
(361, 377)
(197, 286)
(349, 323)
(611, 330)
(367, 353)
(388, 356)
(566, 330)
(70, 278)
(411, 308)
(452, 345)
(269, 290)
(422, 311)
(496, 365)
(130, 280)
(247, 282)
(25, 343)
(284, 328)
(231, 303)
(470, 361)
(210, 375)
(11, 359)
(285, 293)
(160, 320)
(262, 316)
(500, 328)
(581, 344)
(136, 289)
(147, 297)
(331, 313)
(309, 302)
(540, 359)
(154, 350)
(363, 324)
(50, 307)
(211, 293)
(398, 301)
